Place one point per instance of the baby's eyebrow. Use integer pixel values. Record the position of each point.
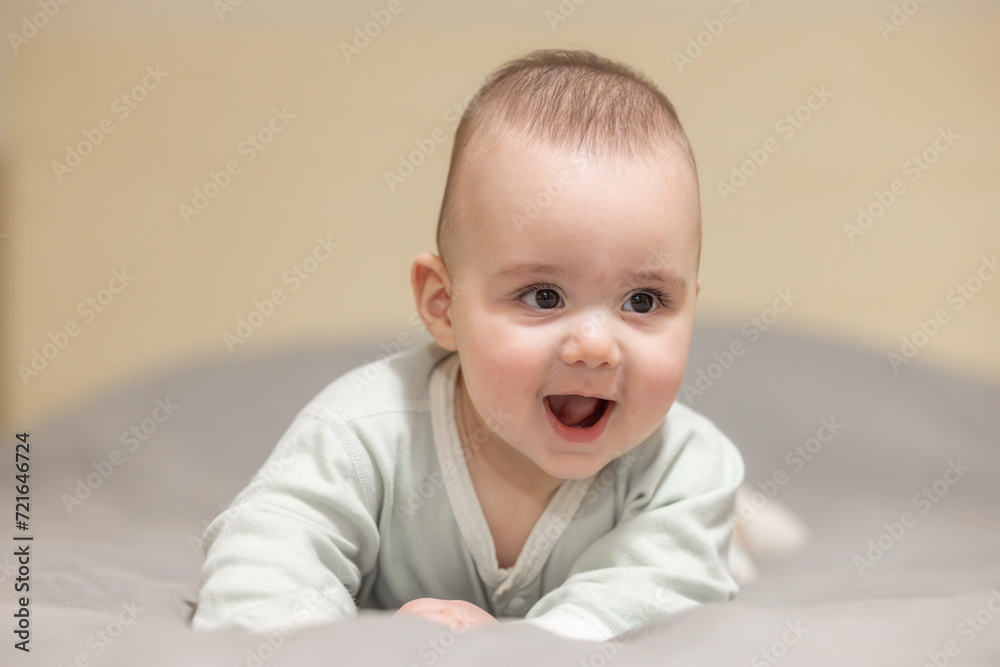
(514, 269)
(665, 277)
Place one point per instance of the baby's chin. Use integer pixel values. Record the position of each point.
(570, 470)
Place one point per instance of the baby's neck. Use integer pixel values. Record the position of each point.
(516, 473)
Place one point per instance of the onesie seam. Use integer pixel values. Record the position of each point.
(338, 422)
(362, 468)
(325, 414)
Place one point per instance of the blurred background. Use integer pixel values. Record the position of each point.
(196, 180)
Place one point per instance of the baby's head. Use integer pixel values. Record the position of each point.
(569, 242)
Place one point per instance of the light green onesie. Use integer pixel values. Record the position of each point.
(367, 500)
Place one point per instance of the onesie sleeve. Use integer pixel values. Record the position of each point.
(668, 550)
(293, 547)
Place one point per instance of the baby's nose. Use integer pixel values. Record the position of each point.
(591, 340)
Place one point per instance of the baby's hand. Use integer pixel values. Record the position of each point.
(458, 615)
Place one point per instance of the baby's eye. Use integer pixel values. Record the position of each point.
(645, 302)
(543, 297)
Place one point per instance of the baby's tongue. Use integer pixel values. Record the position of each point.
(572, 409)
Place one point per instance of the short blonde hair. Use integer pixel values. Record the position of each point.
(566, 100)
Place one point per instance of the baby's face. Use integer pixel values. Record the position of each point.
(575, 280)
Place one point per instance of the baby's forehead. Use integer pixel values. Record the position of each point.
(530, 178)
(515, 187)
(535, 177)
(557, 206)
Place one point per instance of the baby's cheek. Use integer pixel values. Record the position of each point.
(661, 382)
(510, 365)
(510, 391)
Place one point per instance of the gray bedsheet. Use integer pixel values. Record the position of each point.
(902, 566)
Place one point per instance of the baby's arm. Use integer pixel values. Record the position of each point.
(296, 543)
(668, 550)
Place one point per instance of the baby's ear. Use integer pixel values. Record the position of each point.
(432, 295)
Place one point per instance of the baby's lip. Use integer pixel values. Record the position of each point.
(585, 394)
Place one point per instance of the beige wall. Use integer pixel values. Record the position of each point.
(323, 175)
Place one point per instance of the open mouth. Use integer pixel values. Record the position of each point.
(577, 411)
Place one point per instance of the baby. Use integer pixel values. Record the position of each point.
(530, 462)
